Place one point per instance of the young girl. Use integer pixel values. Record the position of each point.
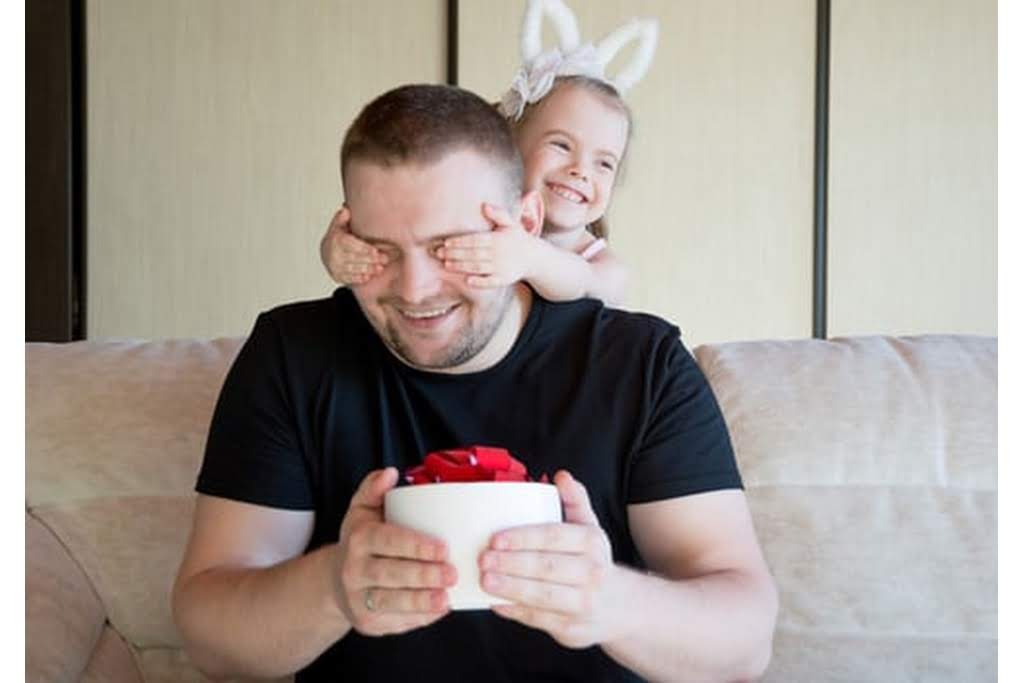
(572, 128)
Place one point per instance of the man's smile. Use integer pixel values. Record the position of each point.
(425, 318)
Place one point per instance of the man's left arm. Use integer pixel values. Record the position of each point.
(705, 612)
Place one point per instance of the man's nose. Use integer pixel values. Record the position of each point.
(419, 276)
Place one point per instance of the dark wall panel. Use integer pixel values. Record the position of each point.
(51, 121)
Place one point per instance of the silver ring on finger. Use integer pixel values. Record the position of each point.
(368, 600)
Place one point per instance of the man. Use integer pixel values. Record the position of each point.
(656, 570)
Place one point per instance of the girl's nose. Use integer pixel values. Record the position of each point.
(576, 172)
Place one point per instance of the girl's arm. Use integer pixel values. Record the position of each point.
(561, 275)
(508, 253)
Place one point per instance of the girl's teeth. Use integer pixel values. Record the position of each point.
(566, 193)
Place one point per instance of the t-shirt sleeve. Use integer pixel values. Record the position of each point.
(685, 446)
(253, 451)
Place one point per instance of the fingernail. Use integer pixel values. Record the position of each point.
(488, 561)
(500, 542)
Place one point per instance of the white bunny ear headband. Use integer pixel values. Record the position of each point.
(536, 76)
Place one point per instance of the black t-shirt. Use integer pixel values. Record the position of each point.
(315, 401)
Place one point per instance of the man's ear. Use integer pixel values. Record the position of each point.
(531, 213)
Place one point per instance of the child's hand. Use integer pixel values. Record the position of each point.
(348, 259)
(497, 258)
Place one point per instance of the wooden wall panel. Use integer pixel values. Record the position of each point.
(715, 212)
(213, 135)
(50, 176)
(213, 131)
(912, 192)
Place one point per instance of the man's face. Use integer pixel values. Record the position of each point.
(427, 315)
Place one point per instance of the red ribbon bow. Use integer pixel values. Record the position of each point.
(473, 463)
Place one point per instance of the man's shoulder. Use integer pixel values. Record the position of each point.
(312, 324)
(638, 322)
(613, 323)
(299, 315)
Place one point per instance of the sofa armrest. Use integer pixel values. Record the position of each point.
(63, 616)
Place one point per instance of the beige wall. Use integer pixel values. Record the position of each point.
(912, 192)
(714, 215)
(213, 130)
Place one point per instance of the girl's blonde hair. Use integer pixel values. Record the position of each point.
(611, 96)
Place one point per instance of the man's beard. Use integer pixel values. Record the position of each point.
(468, 342)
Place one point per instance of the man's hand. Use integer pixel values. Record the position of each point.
(497, 258)
(560, 577)
(348, 259)
(387, 579)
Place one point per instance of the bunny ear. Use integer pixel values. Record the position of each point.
(644, 30)
(560, 15)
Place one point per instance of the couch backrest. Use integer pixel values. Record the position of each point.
(870, 467)
(114, 436)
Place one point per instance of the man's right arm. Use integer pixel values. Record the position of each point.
(248, 603)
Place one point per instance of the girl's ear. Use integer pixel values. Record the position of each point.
(531, 213)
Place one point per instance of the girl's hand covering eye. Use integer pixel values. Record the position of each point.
(348, 259)
(497, 258)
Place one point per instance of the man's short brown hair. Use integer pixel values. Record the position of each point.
(421, 124)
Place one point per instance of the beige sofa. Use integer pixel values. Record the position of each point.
(870, 465)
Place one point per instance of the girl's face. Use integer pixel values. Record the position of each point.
(572, 144)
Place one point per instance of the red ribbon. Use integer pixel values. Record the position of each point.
(472, 463)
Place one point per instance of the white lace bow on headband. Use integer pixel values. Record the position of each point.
(537, 74)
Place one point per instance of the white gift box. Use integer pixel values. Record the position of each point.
(466, 515)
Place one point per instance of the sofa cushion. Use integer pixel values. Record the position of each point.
(115, 432)
(63, 616)
(858, 658)
(860, 411)
(118, 418)
(173, 666)
(130, 548)
(870, 466)
(112, 661)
